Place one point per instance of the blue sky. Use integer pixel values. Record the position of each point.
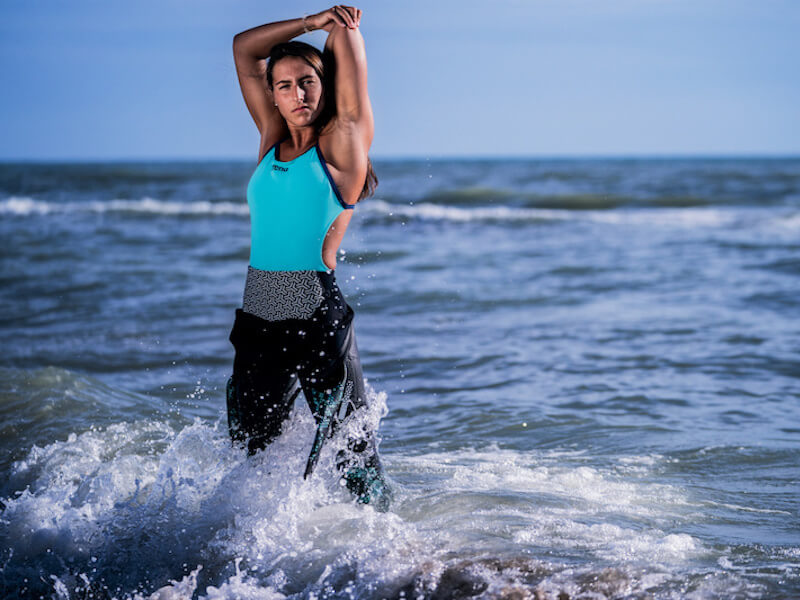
(102, 79)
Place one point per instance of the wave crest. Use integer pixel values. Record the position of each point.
(22, 206)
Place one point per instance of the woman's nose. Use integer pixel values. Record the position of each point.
(300, 94)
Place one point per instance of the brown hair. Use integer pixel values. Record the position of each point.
(325, 67)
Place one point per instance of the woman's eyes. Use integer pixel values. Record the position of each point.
(304, 83)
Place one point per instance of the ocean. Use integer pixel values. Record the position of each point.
(586, 372)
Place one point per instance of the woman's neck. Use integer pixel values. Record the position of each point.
(300, 139)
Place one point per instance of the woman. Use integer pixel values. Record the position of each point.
(294, 330)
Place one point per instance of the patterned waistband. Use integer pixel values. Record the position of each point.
(278, 295)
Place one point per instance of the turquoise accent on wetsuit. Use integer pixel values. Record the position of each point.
(292, 206)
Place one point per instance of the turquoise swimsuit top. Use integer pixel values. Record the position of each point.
(292, 206)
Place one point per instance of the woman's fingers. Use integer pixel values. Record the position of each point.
(351, 22)
(346, 16)
(348, 13)
(339, 15)
(336, 17)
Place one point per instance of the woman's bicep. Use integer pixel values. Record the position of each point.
(352, 96)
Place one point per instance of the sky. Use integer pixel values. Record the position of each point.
(155, 79)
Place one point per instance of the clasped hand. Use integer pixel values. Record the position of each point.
(346, 16)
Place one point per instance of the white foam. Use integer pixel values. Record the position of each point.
(738, 507)
(242, 587)
(496, 469)
(24, 206)
(256, 528)
(454, 213)
(175, 590)
(571, 506)
(611, 542)
(791, 221)
(189, 495)
(28, 206)
(673, 217)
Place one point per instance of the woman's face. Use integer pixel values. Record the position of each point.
(297, 90)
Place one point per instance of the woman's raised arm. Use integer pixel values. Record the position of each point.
(250, 50)
(352, 98)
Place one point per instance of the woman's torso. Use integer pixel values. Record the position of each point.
(293, 206)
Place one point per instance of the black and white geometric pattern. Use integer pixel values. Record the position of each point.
(278, 295)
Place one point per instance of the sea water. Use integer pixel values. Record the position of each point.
(586, 375)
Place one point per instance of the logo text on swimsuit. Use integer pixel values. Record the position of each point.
(279, 168)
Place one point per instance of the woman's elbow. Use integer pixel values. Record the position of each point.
(239, 45)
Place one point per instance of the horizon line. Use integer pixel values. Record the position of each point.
(430, 157)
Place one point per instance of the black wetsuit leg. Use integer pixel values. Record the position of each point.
(339, 384)
(262, 389)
